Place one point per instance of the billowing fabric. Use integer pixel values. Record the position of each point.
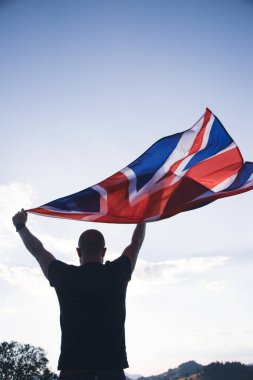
(92, 313)
(178, 173)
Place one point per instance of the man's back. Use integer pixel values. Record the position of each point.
(92, 303)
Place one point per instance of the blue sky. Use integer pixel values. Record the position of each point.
(86, 87)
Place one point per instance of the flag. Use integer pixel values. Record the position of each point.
(178, 173)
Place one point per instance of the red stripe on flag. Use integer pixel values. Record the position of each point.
(216, 169)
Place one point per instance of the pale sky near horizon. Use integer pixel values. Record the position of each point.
(86, 87)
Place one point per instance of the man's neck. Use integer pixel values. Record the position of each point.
(87, 260)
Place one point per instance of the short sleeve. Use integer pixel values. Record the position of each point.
(122, 266)
(57, 272)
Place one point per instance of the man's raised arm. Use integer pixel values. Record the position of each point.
(32, 244)
(137, 239)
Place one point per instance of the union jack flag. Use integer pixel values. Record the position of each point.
(178, 173)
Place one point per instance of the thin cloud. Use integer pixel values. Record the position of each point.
(173, 271)
(12, 197)
(66, 246)
(150, 277)
(9, 310)
(214, 285)
(30, 280)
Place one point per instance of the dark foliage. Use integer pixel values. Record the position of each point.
(227, 371)
(23, 362)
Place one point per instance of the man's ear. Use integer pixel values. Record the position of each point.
(104, 250)
(78, 250)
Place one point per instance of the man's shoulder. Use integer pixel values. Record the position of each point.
(61, 265)
(121, 260)
(121, 266)
(58, 270)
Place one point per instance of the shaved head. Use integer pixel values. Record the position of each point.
(91, 240)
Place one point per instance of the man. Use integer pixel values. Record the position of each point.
(92, 302)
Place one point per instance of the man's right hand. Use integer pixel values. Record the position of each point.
(20, 218)
(31, 242)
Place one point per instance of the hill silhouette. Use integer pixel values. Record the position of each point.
(183, 370)
(214, 371)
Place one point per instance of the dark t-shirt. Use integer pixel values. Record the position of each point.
(92, 313)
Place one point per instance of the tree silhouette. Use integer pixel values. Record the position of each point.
(23, 362)
(231, 371)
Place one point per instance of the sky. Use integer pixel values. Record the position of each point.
(86, 87)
